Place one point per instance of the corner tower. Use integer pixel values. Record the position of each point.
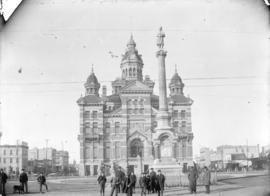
(92, 85)
(176, 85)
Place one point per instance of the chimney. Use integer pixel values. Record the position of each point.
(104, 91)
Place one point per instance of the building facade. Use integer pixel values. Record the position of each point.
(61, 160)
(13, 158)
(118, 129)
(228, 154)
(54, 159)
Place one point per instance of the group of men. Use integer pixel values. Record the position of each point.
(193, 176)
(152, 183)
(23, 178)
(149, 183)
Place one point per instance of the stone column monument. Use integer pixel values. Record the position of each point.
(164, 137)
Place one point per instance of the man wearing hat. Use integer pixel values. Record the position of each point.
(24, 180)
(143, 184)
(3, 181)
(102, 181)
(152, 180)
(160, 183)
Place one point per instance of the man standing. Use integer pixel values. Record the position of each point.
(206, 179)
(134, 180)
(42, 181)
(192, 178)
(121, 176)
(143, 184)
(129, 185)
(160, 183)
(3, 180)
(102, 181)
(152, 180)
(24, 180)
(115, 183)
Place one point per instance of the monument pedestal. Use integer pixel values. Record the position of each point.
(168, 167)
(171, 169)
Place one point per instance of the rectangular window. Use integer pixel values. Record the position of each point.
(95, 149)
(117, 150)
(10, 160)
(94, 114)
(108, 126)
(16, 151)
(95, 127)
(17, 160)
(107, 152)
(183, 114)
(87, 128)
(4, 152)
(117, 127)
(183, 123)
(175, 113)
(175, 124)
(154, 124)
(10, 152)
(86, 114)
(4, 160)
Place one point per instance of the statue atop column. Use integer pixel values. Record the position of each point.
(160, 38)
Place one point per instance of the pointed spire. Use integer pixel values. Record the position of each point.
(175, 68)
(131, 41)
(92, 69)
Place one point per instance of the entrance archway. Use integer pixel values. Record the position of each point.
(136, 148)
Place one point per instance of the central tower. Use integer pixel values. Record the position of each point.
(132, 63)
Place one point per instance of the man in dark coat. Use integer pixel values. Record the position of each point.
(152, 180)
(102, 181)
(3, 180)
(24, 180)
(42, 181)
(160, 183)
(192, 178)
(134, 180)
(121, 176)
(143, 184)
(129, 185)
(115, 183)
(206, 179)
(148, 187)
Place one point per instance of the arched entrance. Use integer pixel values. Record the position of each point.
(136, 148)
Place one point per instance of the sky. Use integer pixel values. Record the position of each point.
(221, 50)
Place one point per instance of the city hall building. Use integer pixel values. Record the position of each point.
(126, 128)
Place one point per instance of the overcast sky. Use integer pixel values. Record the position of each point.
(56, 41)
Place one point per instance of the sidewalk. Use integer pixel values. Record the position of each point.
(168, 192)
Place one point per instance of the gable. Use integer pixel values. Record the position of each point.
(136, 86)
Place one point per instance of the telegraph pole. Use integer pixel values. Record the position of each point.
(46, 156)
(247, 154)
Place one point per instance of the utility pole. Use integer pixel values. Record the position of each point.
(247, 154)
(46, 156)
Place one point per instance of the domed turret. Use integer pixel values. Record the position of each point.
(176, 85)
(131, 63)
(92, 85)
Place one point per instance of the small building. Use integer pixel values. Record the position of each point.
(13, 158)
(62, 160)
